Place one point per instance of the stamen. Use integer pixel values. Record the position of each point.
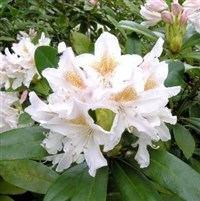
(106, 65)
(127, 94)
(79, 120)
(150, 84)
(75, 80)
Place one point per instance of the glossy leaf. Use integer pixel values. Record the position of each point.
(184, 140)
(6, 188)
(27, 174)
(22, 143)
(175, 75)
(45, 57)
(193, 40)
(76, 184)
(195, 164)
(81, 43)
(133, 26)
(132, 184)
(192, 55)
(193, 122)
(133, 44)
(5, 198)
(173, 174)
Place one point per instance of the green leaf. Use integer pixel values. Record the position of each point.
(29, 175)
(81, 43)
(133, 44)
(45, 57)
(132, 184)
(116, 24)
(92, 188)
(192, 41)
(193, 55)
(195, 164)
(6, 188)
(170, 198)
(133, 26)
(22, 143)
(105, 118)
(173, 174)
(175, 75)
(76, 184)
(192, 122)
(194, 110)
(42, 87)
(5, 198)
(133, 8)
(184, 140)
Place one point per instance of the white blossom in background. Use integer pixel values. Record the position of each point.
(18, 66)
(8, 113)
(130, 86)
(156, 11)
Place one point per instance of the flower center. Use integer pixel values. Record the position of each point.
(127, 94)
(150, 84)
(106, 65)
(75, 80)
(79, 120)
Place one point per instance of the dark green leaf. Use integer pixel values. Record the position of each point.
(194, 110)
(175, 75)
(76, 184)
(170, 198)
(92, 188)
(45, 57)
(29, 175)
(131, 5)
(42, 87)
(22, 143)
(193, 40)
(132, 184)
(192, 122)
(133, 44)
(184, 140)
(133, 26)
(195, 164)
(81, 43)
(5, 198)
(193, 55)
(6, 188)
(174, 174)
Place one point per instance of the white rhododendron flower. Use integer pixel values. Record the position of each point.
(155, 11)
(18, 64)
(128, 86)
(8, 113)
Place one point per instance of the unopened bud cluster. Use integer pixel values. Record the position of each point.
(176, 17)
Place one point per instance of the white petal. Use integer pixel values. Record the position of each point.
(163, 132)
(107, 45)
(94, 157)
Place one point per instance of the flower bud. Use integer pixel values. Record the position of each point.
(176, 8)
(184, 18)
(167, 17)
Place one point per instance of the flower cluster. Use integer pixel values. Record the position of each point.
(18, 67)
(95, 98)
(9, 113)
(155, 11)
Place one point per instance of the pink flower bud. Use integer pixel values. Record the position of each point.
(167, 17)
(93, 2)
(184, 17)
(176, 8)
(23, 96)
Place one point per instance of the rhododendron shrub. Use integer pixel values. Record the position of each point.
(107, 116)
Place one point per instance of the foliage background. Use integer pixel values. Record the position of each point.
(168, 177)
